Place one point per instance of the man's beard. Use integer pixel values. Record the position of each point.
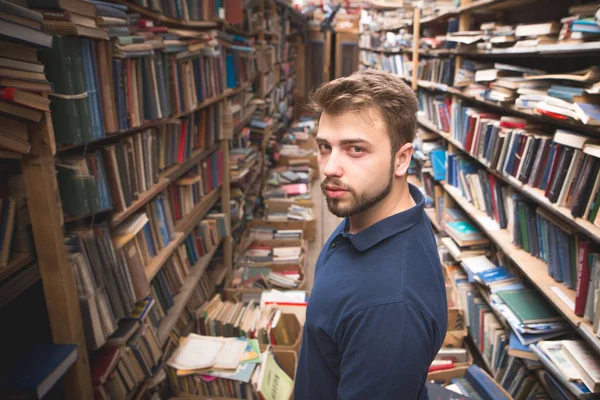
(358, 203)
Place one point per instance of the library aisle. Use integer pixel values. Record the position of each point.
(159, 190)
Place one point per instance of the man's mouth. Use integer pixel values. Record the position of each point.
(335, 192)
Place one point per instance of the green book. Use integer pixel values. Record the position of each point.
(529, 306)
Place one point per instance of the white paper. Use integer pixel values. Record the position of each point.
(231, 353)
(197, 352)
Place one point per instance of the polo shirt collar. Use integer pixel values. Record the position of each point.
(389, 226)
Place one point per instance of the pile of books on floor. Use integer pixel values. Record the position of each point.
(267, 323)
(232, 368)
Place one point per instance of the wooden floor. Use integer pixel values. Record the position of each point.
(326, 223)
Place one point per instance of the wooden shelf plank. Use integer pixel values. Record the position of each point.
(142, 200)
(534, 194)
(182, 229)
(191, 281)
(159, 260)
(193, 218)
(18, 283)
(159, 17)
(174, 172)
(113, 135)
(16, 261)
(533, 268)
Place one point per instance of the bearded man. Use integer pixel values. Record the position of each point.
(377, 313)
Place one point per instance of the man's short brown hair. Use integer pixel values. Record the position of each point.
(371, 90)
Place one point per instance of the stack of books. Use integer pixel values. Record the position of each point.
(571, 366)
(132, 356)
(23, 82)
(229, 367)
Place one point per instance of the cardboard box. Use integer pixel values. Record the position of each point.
(281, 206)
(444, 377)
(310, 160)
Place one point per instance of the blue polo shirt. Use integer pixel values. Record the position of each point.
(377, 313)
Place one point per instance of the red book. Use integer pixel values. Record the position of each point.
(441, 367)
(552, 115)
(182, 141)
(129, 93)
(492, 179)
(175, 202)
(102, 363)
(583, 277)
(25, 98)
(146, 23)
(470, 131)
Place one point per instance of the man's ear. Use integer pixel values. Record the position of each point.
(402, 159)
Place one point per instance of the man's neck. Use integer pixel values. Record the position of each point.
(397, 201)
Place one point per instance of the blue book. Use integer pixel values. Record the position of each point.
(149, 242)
(485, 386)
(518, 349)
(191, 249)
(230, 69)
(544, 180)
(37, 370)
(92, 99)
(588, 25)
(103, 189)
(565, 93)
(494, 275)
(438, 163)
(162, 222)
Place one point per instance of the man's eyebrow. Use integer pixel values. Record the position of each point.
(344, 141)
(353, 141)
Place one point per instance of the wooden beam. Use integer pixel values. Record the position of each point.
(226, 207)
(41, 136)
(60, 289)
(416, 39)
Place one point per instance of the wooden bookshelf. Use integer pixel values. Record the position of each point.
(534, 194)
(218, 274)
(181, 299)
(142, 200)
(174, 172)
(159, 260)
(511, 109)
(193, 218)
(16, 261)
(533, 268)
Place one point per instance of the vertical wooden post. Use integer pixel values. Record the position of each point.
(416, 39)
(226, 207)
(464, 24)
(60, 289)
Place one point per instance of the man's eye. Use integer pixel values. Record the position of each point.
(324, 147)
(357, 149)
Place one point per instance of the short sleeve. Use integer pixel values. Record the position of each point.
(386, 352)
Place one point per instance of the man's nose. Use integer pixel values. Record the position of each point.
(331, 166)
